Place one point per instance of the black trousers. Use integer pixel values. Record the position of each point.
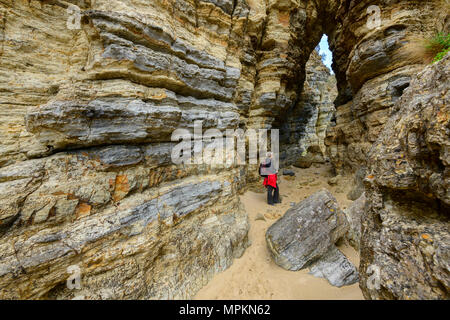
(273, 194)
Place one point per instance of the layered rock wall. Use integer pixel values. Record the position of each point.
(406, 222)
(87, 116)
(373, 66)
(87, 113)
(304, 127)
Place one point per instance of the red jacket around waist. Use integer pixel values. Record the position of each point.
(270, 180)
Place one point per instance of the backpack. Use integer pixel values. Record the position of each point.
(263, 171)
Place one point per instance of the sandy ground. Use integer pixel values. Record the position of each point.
(255, 275)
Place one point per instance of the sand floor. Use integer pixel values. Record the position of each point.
(255, 275)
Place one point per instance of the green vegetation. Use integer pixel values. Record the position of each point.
(438, 46)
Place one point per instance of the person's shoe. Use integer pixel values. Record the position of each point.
(270, 204)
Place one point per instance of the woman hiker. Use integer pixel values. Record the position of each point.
(270, 181)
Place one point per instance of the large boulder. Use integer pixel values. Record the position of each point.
(306, 235)
(306, 231)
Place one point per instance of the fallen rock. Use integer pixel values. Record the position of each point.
(260, 216)
(306, 231)
(336, 268)
(287, 172)
(334, 180)
(303, 163)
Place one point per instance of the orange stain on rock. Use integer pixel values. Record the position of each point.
(284, 18)
(83, 210)
(159, 96)
(122, 187)
(426, 236)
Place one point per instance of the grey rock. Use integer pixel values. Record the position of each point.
(336, 268)
(71, 124)
(116, 156)
(306, 231)
(358, 184)
(287, 172)
(334, 180)
(260, 216)
(354, 214)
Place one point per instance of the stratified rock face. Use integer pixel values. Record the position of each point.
(303, 128)
(306, 235)
(87, 112)
(85, 146)
(406, 226)
(373, 67)
(306, 231)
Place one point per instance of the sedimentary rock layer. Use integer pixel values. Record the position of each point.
(406, 226)
(90, 92)
(87, 178)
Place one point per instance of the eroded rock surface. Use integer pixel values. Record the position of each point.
(354, 215)
(405, 228)
(336, 268)
(304, 127)
(306, 231)
(87, 115)
(87, 111)
(305, 236)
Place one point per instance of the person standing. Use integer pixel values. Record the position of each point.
(270, 181)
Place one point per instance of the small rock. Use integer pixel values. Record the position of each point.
(334, 181)
(303, 164)
(354, 214)
(287, 172)
(260, 216)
